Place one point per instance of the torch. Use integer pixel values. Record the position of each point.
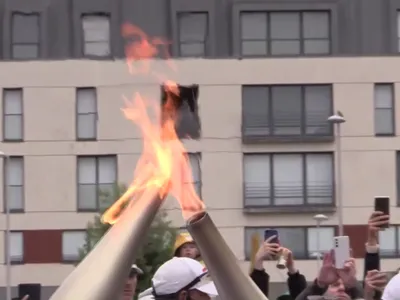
(232, 283)
(102, 274)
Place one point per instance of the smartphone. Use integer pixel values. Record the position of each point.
(271, 232)
(341, 250)
(383, 204)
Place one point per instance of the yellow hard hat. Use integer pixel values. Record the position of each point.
(182, 239)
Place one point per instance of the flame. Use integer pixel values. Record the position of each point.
(164, 162)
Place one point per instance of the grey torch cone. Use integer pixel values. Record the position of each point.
(102, 274)
(231, 282)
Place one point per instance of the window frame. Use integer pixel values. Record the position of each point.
(305, 230)
(200, 183)
(96, 157)
(269, 40)
(289, 208)
(63, 259)
(83, 42)
(239, 8)
(39, 44)
(77, 114)
(192, 6)
(206, 38)
(392, 108)
(6, 160)
(303, 136)
(26, 7)
(10, 140)
(7, 248)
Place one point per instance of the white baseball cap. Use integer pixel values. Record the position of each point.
(182, 273)
(392, 289)
(136, 269)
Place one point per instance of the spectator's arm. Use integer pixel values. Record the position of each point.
(261, 279)
(296, 283)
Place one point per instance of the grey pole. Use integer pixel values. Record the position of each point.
(7, 231)
(337, 119)
(339, 176)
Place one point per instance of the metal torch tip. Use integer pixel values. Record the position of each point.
(196, 217)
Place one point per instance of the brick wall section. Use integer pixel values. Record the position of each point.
(358, 238)
(42, 246)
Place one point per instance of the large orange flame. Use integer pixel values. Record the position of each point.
(164, 162)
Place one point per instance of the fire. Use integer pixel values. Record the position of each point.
(164, 163)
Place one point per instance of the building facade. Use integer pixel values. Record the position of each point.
(264, 77)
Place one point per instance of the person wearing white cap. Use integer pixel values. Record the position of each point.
(392, 289)
(181, 278)
(131, 283)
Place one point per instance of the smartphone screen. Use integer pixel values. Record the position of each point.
(382, 204)
(271, 232)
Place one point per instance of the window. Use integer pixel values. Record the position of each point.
(12, 115)
(193, 34)
(72, 242)
(16, 248)
(86, 109)
(389, 242)
(14, 183)
(303, 241)
(384, 109)
(285, 33)
(97, 176)
(288, 179)
(25, 36)
(286, 111)
(96, 35)
(194, 161)
(187, 123)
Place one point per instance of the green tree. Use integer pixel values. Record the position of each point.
(157, 248)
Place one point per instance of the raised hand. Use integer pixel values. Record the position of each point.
(267, 250)
(375, 281)
(348, 273)
(328, 273)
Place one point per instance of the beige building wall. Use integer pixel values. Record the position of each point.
(50, 147)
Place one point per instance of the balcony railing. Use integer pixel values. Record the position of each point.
(286, 126)
(262, 195)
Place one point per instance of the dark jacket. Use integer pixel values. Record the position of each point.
(372, 261)
(296, 282)
(314, 290)
(261, 279)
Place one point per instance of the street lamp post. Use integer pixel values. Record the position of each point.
(338, 119)
(8, 258)
(319, 219)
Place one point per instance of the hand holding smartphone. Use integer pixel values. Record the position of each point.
(341, 249)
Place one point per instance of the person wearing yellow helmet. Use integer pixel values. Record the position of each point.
(185, 246)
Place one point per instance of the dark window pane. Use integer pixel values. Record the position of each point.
(316, 25)
(255, 110)
(384, 121)
(192, 49)
(25, 51)
(193, 27)
(285, 26)
(25, 29)
(286, 106)
(254, 26)
(316, 46)
(254, 48)
(317, 109)
(285, 47)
